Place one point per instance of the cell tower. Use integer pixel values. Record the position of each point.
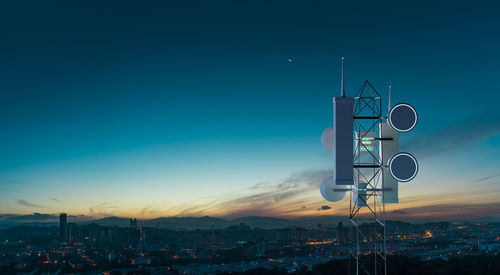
(368, 165)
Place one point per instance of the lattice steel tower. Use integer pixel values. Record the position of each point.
(368, 165)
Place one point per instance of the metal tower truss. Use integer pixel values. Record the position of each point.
(367, 208)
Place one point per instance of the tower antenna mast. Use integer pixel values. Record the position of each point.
(342, 85)
(389, 109)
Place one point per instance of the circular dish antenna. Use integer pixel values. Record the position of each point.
(403, 167)
(402, 117)
(327, 139)
(327, 190)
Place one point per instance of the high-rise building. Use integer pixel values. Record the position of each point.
(135, 234)
(342, 233)
(63, 228)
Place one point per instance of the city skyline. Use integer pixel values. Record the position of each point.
(155, 110)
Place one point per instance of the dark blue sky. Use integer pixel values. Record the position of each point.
(200, 95)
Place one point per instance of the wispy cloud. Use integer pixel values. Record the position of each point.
(486, 178)
(399, 212)
(29, 204)
(270, 198)
(454, 136)
(102, 209)
(149, 209)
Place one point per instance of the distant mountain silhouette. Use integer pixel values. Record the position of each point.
(175, 223)
(206, 222)
(110, 221)
(187, 223)
(267, 222)
(193, 223)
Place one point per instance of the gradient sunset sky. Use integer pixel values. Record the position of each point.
(193, 108)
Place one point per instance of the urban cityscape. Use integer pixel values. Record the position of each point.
(99, 249)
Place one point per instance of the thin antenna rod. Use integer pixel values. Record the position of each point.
(342, 86)
(389, 109)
